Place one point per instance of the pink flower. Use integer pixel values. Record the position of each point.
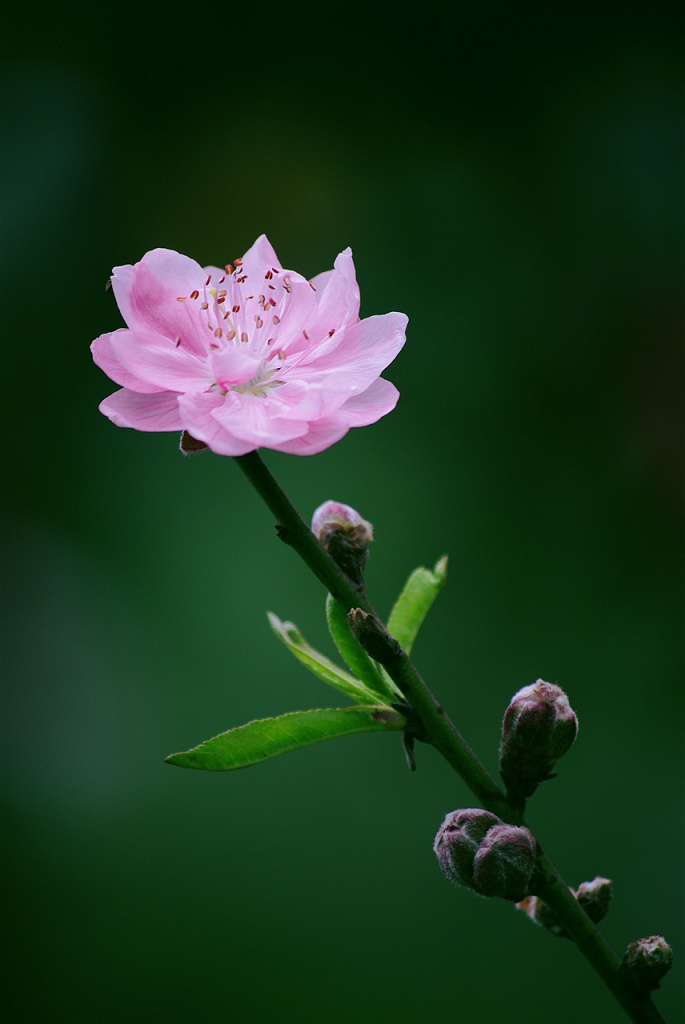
(249, 356)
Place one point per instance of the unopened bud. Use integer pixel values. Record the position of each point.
(505, 863)
(539, 727)
(345, 536)
(646, 961)
(595, 897)
(457, 842)
(540, 914)
(478, 851)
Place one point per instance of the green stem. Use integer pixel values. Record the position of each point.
(444, 735)
(440, 731)
(592, 944)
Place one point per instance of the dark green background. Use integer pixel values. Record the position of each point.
(510, 178)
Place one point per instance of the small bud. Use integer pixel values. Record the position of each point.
(540, 914)
(505, 863)
(646, 961)
(457, 842)
(373, 636)
(539, 727)
(595, 897)
(345, 536)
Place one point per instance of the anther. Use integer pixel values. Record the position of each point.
(218, 332)
(181, 298)
(204, 305)
(209, 278)
(276, 319)
(243, 337)
(236, 309)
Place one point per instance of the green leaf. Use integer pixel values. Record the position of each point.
(319, 664)
(355, 657)
(257, 741)
(411, 607)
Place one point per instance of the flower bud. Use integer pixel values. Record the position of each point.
(457, 842)
(505, 862)
(345, 536)
(539, 727)
(595, 897)
(646, 961)
(540, 914)
(478, 851)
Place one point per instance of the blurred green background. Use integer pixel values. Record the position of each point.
(510, 177)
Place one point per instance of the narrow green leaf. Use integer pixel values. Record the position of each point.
(319, 664)
(354, 656)
(411, 607)
(257, 741)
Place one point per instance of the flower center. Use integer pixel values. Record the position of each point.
(260, 383)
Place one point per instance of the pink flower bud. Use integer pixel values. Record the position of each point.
(595, 897)
(504, 864)
(457, 842)
(646, 961)
(539, 727)
(345, 535)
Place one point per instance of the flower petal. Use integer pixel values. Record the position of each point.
(143, 412)
(364, 351)
(321, 435)
(259, 259)
(337, 302)
(233, 366)
(148, 296)
(105, 357)
(157, 360)
(198, 419)
(251, 418)
(378, 400)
